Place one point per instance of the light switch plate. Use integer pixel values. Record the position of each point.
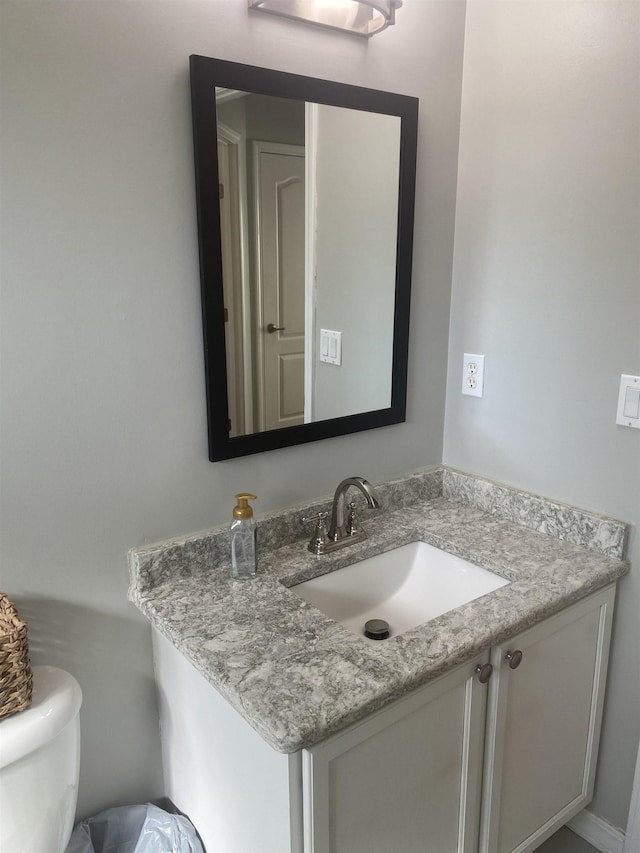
(628, 413)
(331, 346)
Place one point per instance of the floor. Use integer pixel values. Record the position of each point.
(565, 841)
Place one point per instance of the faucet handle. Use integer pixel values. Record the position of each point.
(353, 528)
(319, 539)
(319, 516)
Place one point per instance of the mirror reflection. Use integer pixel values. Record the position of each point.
(308, 234)
(305, 195)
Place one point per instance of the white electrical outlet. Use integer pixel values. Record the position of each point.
(473, 375)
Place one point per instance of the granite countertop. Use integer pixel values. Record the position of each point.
(297, 676)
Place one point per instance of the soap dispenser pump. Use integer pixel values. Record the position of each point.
(243, 538)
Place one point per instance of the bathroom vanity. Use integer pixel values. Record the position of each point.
(475, 731)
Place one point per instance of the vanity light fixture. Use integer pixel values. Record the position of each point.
(361, 17)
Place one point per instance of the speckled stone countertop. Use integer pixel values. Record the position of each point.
(295, 675)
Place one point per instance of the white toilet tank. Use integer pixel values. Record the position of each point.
(39, 764)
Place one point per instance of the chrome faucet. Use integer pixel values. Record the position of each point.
(337, 530)
(341, 532)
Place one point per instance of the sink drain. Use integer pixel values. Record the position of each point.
(376, 629)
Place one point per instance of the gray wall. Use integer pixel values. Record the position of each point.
(357, 169)
(546, 286)
(275, 120)
(103, 411)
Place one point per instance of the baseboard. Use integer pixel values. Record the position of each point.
(601, 834)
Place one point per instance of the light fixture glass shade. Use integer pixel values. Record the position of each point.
(361, 17)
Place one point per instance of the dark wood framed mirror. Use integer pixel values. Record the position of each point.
(305, 195)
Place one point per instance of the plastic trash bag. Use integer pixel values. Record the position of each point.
(135, 829)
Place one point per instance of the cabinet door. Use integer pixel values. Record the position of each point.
(407, 779)
(543, 725)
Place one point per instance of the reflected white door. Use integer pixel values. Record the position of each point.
(280, 276)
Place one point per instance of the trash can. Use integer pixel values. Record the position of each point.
(135, 829)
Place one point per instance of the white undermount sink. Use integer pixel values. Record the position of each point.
(406, 587)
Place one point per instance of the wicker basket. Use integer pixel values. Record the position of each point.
(16, 679)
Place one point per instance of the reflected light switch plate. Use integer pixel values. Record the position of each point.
(330, 346)
(628, 413)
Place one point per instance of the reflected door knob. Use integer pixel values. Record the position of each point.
(271, 328)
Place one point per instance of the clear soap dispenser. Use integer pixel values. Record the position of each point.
(243, 538)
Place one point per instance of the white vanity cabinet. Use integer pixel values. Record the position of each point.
(543, 725)
(406, 779)
(457, 766)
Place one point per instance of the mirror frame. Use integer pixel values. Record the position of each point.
(207, 74)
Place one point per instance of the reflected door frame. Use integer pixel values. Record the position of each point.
(310, 237)
(238, 294)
